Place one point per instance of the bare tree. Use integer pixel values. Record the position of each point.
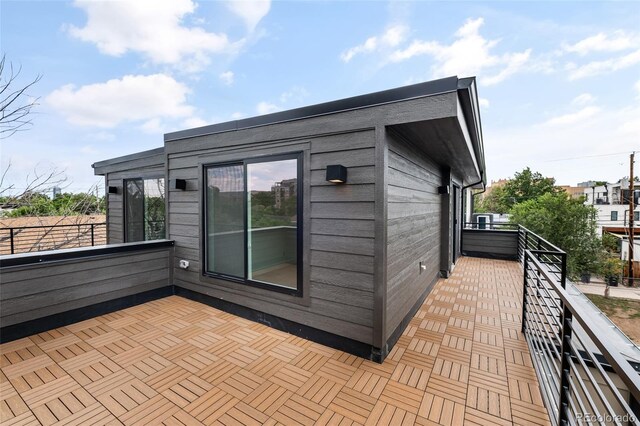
(77, 222)
(15, 102)
(37, 182)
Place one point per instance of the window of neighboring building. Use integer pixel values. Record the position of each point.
(636, 216)
(253, 221)
(614, 215)
(144, 209)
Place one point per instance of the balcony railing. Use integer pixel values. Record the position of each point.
(584, 376)
(26, 239)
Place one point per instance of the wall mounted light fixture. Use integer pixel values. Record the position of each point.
(336, 173)
(443, 190)
(113, 190)
(180, 184)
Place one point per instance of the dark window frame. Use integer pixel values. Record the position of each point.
(124, 208)
(299, 157)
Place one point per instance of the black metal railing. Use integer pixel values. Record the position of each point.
(583, 377)
(491, 226)
(27, 239)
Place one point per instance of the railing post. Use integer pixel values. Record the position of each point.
(563, 270)
(92, 236)
(565, 367)
(11, 238)
(524, 293)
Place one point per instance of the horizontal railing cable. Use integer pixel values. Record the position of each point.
(27, 239)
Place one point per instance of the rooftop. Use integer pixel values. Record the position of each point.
(176, 361)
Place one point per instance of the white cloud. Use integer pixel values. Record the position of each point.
(266, 108)
(102, 136)
(392, 37)
(603, 67)
(470, 54)
(602, 42)
(153, 28)
(251, 11)
(637, 88)
(153, 126)
(90, 149)
(132, 98)
(238, 115)
(296, 94)
(192, 122)
(583, 99)
(574, 117)
(540, 146)
(484, 102)
(227, 77)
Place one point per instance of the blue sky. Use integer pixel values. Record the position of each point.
(559, 82)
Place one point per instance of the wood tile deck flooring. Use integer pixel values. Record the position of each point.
(461, 360)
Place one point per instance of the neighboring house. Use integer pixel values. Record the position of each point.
(493, 185)
(348, 263)
(573, 191)
(612, 205)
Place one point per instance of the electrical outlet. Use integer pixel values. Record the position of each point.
(423, 267)
(184, 264)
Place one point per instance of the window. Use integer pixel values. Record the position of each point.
(636, 216)
(253, 221)
(614, 215)
(144, 209)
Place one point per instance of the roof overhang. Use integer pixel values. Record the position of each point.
(142, 159)
(454, 141)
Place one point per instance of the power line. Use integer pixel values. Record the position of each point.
(586, 156)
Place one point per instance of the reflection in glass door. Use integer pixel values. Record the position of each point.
(272, 207)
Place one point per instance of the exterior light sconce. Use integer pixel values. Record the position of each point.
(180, 184)
(336, 173)
(443, 190)
(113, 190)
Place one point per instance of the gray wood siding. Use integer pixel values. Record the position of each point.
(38, 290)
(338, 229)
(115, 202)
(490, 243)
(413, 228)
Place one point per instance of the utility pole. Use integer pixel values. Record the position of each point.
(631, 217)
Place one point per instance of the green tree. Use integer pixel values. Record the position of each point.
(568, 223)
(37, 204)
(494, 202)
(525, 185)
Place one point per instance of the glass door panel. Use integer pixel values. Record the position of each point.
(225, 220)
(272, 222)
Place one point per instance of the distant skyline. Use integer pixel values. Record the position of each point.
(559, 82)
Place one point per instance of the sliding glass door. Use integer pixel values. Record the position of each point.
(253, 212)
(144, 209)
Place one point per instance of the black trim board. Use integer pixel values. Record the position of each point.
(42, 257)
(428, 88)
(345, 344)
(130, 157)
(29, 328)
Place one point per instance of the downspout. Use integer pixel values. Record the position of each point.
(484, 189)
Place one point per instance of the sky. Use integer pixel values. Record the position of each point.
(558, 82)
